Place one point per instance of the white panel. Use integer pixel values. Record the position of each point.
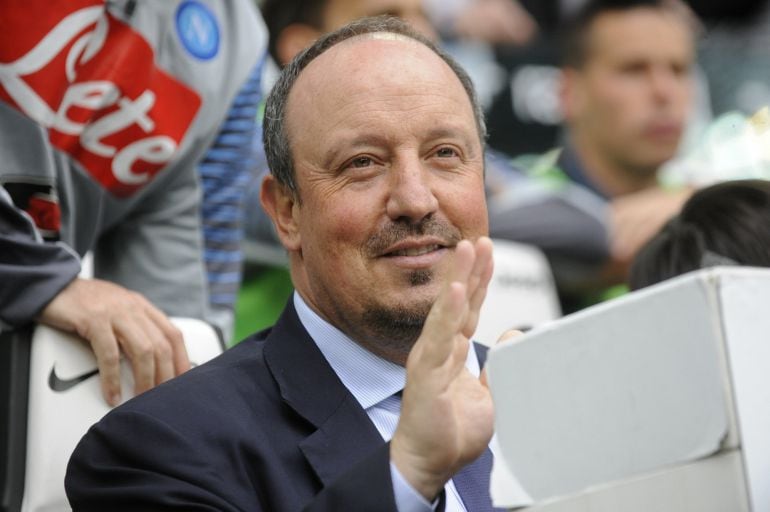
(745, 295)
(614, 391)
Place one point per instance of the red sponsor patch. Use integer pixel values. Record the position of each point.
(39, 200)
(45, 212)
(91, 80)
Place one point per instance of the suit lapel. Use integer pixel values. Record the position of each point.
(343, 433)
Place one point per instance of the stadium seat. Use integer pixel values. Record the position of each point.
(521, 294)
(49, 397)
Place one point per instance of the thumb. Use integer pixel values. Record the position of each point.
(508, 336)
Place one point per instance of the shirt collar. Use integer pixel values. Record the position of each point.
(369, 378)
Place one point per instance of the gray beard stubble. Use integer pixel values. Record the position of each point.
(397, 328)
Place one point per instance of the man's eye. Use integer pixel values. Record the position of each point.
(360, 162)
(446, 153)
(633, 68)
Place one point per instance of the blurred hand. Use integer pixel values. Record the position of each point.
(113, 319)
(507, 337)
(446, 415)
(496, 22)
(635, 218)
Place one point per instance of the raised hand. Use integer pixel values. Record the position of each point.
(447, 415)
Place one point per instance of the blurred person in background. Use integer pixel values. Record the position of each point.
(474, 31)
(497, 22)
(106, 110)
(625, 97)
(724, 224)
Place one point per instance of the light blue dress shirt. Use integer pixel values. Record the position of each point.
(374, 381)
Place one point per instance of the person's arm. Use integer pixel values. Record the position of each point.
(407, 498)
(635, 218)
(40, 283)
(115, 320)
(32, 272)
(132, 461)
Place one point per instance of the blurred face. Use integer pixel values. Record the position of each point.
(390, 173)
(340, 12)
(630, 101)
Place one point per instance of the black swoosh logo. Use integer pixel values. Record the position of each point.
(60, 385)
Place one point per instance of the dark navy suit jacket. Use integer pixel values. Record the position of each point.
(265, 426)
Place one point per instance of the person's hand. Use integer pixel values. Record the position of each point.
(113, 319)
(636, 218)
(447, 415)
(496, 22)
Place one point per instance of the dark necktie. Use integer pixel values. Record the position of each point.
(472, 482)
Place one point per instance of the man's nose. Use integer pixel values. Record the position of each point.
(410, 195)
(666, 84)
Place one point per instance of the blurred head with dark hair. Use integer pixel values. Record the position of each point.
(725, 224)
(576, 40)
(294, 24)
(627, 88)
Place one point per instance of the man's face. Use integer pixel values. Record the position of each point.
(389, 166)
(631, 99)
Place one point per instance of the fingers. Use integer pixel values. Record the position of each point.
(446, 415)
(112, 318)
(462, 265)
(478, 283)
(481, 272)
(154, 346)
(139, 348)
(105, 348)
(442, 324)
(507, 337)
(456, 310)
(173, 336)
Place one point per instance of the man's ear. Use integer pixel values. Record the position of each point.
(283, 208)
(293, 39)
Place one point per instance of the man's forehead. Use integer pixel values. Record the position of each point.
(360, 80)
(611, 29)
(376, 45)
(371, 56)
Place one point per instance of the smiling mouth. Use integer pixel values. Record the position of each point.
(415, 251)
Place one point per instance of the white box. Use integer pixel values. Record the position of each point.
(659, 400)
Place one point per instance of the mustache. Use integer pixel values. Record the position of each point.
(397, 231)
